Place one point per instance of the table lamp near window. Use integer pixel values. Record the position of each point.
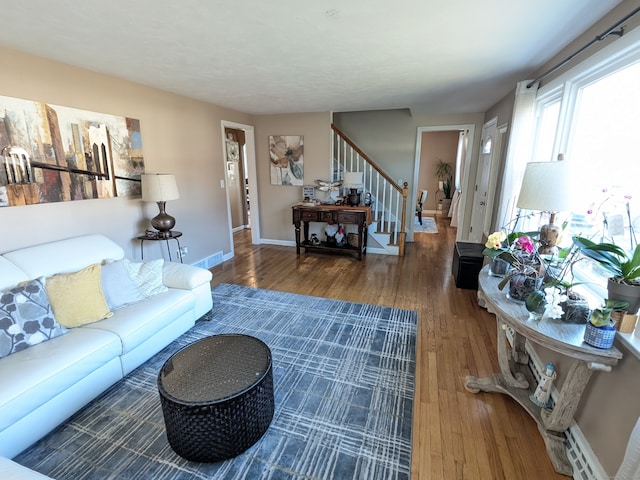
(547, 186)
(160, 188)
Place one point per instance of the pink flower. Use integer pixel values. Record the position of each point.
(525, 244)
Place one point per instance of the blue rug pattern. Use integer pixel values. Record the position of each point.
(343, 383)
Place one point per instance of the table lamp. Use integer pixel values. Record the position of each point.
(547, 186)
(353, 181)
(160, 188)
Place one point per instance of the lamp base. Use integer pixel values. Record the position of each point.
(163, 222)
(549, 235)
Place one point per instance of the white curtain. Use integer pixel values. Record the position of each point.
(455, 208)
(519, 150)
(630, 467)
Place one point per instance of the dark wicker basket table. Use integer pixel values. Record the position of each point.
(217, 396)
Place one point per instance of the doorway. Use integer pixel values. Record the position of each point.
(239, 157)
(461, 160)
(486, 180)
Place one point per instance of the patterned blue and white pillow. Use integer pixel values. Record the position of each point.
(26, 317)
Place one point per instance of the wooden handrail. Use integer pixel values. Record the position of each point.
(403, 190)
(366, 157)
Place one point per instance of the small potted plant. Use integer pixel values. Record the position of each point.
(600, 331)
(624, 268)
(444, 172)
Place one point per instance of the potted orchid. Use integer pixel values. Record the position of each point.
(527, 268)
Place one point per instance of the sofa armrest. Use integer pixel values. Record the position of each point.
(185, 277)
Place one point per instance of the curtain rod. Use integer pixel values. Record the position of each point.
(611, 31)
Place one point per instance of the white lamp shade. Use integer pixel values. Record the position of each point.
(548, 186)
(159, 187)
(353, 179)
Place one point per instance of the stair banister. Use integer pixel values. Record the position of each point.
(388, 205)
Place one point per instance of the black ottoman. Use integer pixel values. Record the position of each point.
(217, 396)
(467, 263)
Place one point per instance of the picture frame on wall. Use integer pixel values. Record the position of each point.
(286, 160)
(233, 151)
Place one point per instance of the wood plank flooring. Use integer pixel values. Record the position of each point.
(456, 434)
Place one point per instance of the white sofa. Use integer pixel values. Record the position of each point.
(46, 383)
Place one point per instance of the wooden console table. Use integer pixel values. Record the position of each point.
(360, 216)
(515, 378)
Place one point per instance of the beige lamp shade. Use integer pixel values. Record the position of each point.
(353, 180)
(159, 187)
(547, 186)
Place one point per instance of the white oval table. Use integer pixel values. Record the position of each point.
(515, 378)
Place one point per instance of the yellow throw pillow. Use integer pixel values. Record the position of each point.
(77, 298)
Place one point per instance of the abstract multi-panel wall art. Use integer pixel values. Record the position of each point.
(51, 153)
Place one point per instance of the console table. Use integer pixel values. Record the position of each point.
(360, 216)
(515, 378)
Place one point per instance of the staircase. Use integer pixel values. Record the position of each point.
(388, 199)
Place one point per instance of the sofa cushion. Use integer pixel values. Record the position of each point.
(32, 377)
(62, 256)
(11, 275)
(26, 318)
(136, 323)
(147, 275)
(187, 277)
(118, 287)
(77, 297)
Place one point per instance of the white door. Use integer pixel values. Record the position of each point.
(480, 211)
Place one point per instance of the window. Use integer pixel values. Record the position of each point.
(590, 115)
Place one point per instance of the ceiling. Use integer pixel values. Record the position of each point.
(284, 56)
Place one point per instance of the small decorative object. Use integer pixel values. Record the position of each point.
(575, 308)
(330, 230)
(340, 236)
(625, 322)
(314, 240)
(543, 391)
(498, 267)
(600, 331)
(328, 186)
(535, 304)
(160, 188)
(367, 199)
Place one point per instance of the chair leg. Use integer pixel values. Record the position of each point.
(419, 214)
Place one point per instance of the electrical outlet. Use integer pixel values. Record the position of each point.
(183, 251)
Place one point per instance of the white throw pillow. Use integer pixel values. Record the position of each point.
(147, 276)
(118, 287)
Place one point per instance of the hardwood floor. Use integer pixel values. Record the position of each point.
(456, 434)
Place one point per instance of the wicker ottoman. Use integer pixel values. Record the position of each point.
(217, 397)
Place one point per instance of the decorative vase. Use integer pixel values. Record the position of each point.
(498, 267)
(354, 197)
(600, 337)
(522, 284)
(575, 309)
(625, 292)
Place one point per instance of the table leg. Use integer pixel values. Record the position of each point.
(168, 249)
(179, 249)
(297, 227)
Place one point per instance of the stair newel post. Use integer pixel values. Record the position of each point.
(403, 216)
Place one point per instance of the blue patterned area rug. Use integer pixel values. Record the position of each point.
(343, 384)
(428, 225)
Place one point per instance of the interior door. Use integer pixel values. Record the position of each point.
(483, 177)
